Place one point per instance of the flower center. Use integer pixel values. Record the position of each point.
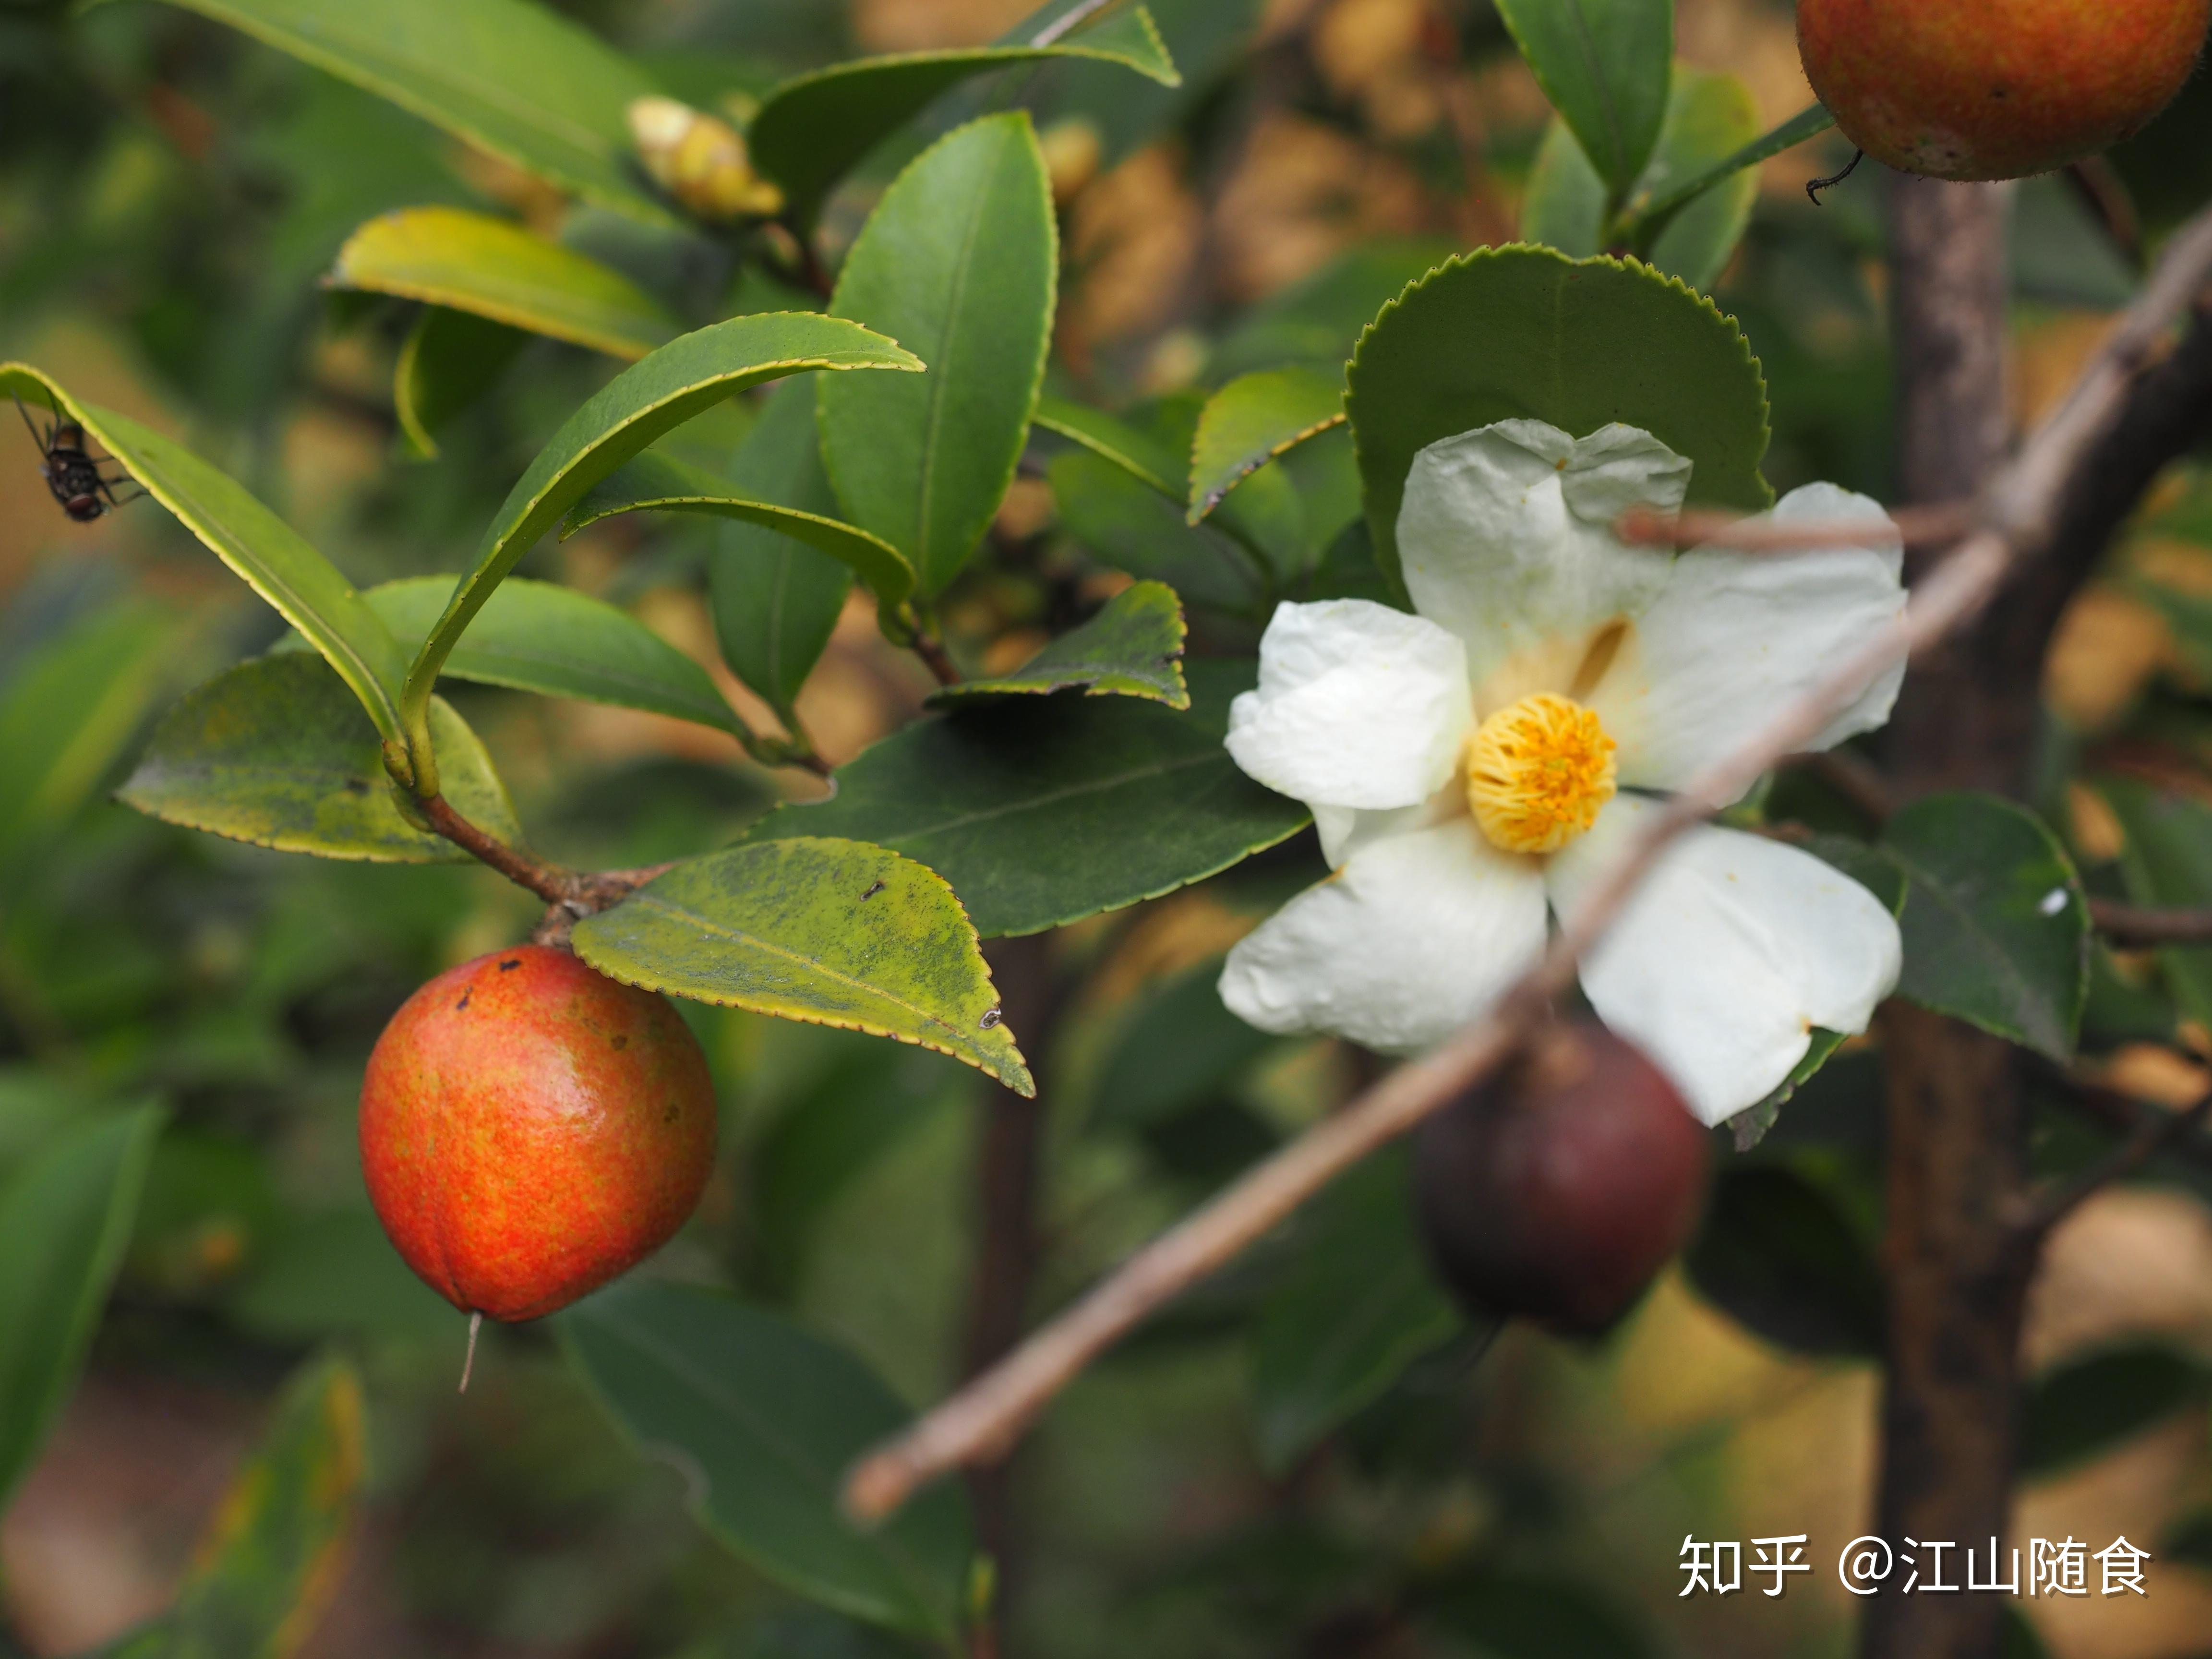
(1537, 772)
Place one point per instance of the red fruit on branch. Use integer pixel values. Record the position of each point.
(530, 1129)
(1995, 89)
(1557, 1190)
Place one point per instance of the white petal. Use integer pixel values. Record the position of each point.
(1732, 950)
(1415, 936)
(1359, 705)
(1505, 538)
(1734, 637)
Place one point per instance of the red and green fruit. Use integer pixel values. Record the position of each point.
(1995, 89)
(1557, 1190)
(530, 1129)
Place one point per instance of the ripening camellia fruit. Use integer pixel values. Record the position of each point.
(530, 1129)
(1559, 1190)
(1995, 89)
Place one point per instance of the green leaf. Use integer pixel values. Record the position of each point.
(961, 260)
(1318, 321)
(1749, 1125)
(871, 1096)
(273, 752)
(1137, 453)
(777, 599)
(2168, 860)
(270, 1565)
(1653, 211)
(66, 713)
(1253, 419)
(542, 637)
(1126, 523)
(832, 933)
(1132, 648)
(644, 401)
(1710, 117)
(811, 131)
(1357, 1305)
(512, 78)
(304, 586)
(765, 1417)
(1181, 1048)
(449, 363)
(65, 1220)
(1041, 810)
(495, 268)
(2082, 1409)
(655, 483)
(1525, 332)
(1777, 1256)
(1604, 65)
(1996, 929)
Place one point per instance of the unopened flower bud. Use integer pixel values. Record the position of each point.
(700, 161)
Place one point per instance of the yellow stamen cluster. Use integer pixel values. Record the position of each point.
(1537, 772)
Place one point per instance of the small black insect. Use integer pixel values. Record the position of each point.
(69, 470)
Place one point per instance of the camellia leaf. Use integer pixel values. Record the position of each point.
(65, 1217)
(1181, 1048)
(515, 79)
(646, 401)
(304, 586)
(960, 260)
(1777, 1256)
(543, 637)
(66, 713)
(2166, 860)
(1603, 63)
(1996, 928)
(1139, 454)
(1132, 648)
(833, 933)
(1525, 332)
(655, 483)
(1652, 210)
(495, 268)
(273, 752)
(776, 598)
(1318, 321)
(1355, 1307)
(1253, 419)
(1126, 523)
(2078, 1411)
(270, 1564)
(1041, 810)
(810, 131)
(765, 1417)
(449, 362)
(1710, 117)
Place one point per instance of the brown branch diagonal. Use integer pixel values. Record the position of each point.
(2016, 523)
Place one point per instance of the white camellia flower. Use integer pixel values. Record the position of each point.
(1478, 765)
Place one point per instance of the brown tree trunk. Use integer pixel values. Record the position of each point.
(1953, 1267)
(1009, 1165)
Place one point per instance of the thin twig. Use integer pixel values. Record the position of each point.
(571, 893)
(2144, 924)
(550, 881)
(1916, 526)
(2153, 1132)
(984, 1417)
(931, 649)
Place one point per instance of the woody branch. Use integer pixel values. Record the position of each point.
(2014, 523)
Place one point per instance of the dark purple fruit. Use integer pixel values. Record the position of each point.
(1559, 1189)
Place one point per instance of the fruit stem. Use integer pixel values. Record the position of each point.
(574, 893)
(469, 1363)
